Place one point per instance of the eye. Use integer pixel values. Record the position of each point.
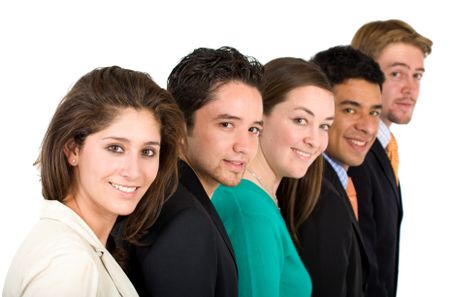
(325, 127)
(375, 113)
(395, 74)
(255, 130)
(418, 76)
(115, 148)
(300, 121)
(148, 153)
(349, 110)
(226, 124)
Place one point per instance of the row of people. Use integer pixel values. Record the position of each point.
(239, 180)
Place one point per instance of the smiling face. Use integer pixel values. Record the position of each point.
(403, 67)
(115, 166)
(358, 108)
(296, 130)
(224, 136)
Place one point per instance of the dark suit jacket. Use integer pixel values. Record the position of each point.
(187, 251)
(380, 215)
(331, 244)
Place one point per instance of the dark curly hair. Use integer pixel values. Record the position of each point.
(198, 75)
(344, 62)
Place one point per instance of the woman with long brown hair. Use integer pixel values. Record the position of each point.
(298, 110)
(110, 150)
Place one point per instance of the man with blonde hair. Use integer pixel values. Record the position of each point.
(400, 52)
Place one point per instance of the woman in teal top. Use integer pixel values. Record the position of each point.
(298, 110)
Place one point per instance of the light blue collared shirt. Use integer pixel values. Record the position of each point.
(384, 135)
(339, 169)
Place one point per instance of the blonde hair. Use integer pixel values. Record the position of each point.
(373, 37)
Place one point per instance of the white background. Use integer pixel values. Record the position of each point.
(45, 46)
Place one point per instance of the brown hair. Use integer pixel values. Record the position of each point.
(373, 37)
(90, 106)
(298, 197)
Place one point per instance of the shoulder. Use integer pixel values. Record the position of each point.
(245, 198)
(181, 214)
(246, 210)
(331, 205)
(51, 254)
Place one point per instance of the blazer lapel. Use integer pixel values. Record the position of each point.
(332, 177)
(382, 158)
(190, 180)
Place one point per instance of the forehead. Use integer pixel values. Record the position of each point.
(401, 54)
(235, 99)
(360, 91)
(132, 123)
(313, 98)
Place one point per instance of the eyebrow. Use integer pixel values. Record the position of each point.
(350, 102)
(226, 116)
(308, 111)
(123, 139)
(356, 104)
(404, 65)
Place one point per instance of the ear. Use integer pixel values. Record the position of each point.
(71, 151)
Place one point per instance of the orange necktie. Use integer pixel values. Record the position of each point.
(351, 193)
(392, 153)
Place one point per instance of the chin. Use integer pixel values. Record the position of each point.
(297, 172)
(230, 181)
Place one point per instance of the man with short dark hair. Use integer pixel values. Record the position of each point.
(331, 245)
(187, 251)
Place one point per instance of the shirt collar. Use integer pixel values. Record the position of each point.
(340, 171)
(384, 135)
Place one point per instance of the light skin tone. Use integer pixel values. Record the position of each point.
(224, 136)
(358, 109)
(113, 169)
(295, 134)
(403, 67)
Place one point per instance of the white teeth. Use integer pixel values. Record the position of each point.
(123, 188)
(303, 154)
(358, 143)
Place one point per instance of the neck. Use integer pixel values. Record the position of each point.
(386, 122)
(101, 224)
(260, 172)
(208, 183)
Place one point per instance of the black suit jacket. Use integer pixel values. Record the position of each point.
(331, 244)
(187, 251)
(380, 215)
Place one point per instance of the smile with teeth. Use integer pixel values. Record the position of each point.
(123, 188)
(358, 142)
(301, 153)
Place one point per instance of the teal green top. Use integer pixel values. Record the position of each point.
(268, 263)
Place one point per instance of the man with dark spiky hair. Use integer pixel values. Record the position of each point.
(187, 251)
(331, 245)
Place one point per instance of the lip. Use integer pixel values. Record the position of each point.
(235, 165)
(357, 144)
(302, 154)
(405, 102)
(124, 189)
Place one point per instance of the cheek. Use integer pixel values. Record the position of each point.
(151, 171)
(323, 142)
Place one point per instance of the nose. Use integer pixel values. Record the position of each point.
(243, 142)
(312, 138)
(130, 166)
(411, 86)
(368, 124)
